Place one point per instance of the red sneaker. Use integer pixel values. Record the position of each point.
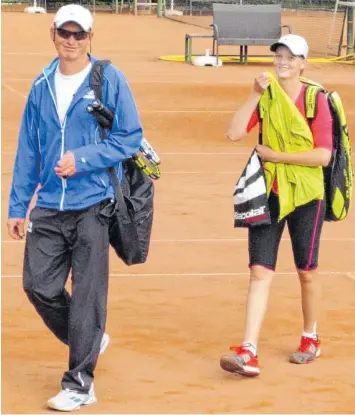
(308, 351)
(241, 361)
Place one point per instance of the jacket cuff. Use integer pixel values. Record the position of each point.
(17, 214)
(80, 163)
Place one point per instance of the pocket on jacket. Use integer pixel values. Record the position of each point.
(100, 179)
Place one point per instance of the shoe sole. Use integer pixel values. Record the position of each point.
(230, 365)
(305, 361)
(90, 401)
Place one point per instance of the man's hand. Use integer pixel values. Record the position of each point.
(266, 154)
(66, 165)
(15, 228)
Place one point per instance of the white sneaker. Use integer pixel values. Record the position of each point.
(104, 343)
(68, 400)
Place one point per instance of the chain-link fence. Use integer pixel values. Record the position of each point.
(101, 5)
(316, 20)
(199, 7)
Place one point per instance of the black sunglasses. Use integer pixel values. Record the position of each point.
(66, 34)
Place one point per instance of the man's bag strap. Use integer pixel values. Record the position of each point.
(96, 76)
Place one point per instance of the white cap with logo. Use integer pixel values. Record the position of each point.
(297, 45)
(74, 13)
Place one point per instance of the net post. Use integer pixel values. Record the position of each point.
(160, 6)
(350, 30)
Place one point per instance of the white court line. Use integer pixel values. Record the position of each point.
(207, 111)
(148, 111)
(229, 153)
(202, 274)
(351, 275)
(10, 88)
(135, 81)
(209, 240)
(186, 172)
(206, 172)
(184, 82)
(187, 111)
(27, 53)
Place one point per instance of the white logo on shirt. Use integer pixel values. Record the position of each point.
(90, 95)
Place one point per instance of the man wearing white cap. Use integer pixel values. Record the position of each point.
(60, 149)
(304, 221)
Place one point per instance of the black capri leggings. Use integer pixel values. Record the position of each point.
(304, 224)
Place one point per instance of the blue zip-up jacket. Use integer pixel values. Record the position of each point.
(43, 140)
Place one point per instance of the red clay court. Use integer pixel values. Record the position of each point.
(171, 318)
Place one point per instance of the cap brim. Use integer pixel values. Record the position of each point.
(60, 24)
(274, 46)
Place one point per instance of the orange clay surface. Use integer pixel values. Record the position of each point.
(171, 318)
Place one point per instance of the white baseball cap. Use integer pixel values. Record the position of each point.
(74, 13)
(297, 45)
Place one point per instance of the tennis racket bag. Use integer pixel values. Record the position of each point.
(338, 175)
(130, 215)
(250, 196)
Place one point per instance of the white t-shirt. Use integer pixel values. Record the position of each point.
(66, 87)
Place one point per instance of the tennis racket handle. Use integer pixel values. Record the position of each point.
(101, 109)
(102, 120)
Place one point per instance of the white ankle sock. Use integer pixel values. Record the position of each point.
(250, 346)
(310, 335)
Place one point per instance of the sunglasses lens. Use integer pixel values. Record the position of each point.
(80, 35)
(63, 33)
(66, 34)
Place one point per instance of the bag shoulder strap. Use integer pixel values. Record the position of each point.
(311, 100)
(260, 111)
(96, 76)
(259, 107)
(313, 89)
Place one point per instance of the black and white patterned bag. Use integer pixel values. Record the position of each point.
(250, 196)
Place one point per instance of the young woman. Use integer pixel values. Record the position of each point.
(304, 222)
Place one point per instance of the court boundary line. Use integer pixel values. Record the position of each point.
(205, 172)
(193, 153)
(10, 153)
(158, 111)
(146, 81)
(13, 90)
(207, 240)
(350, 275)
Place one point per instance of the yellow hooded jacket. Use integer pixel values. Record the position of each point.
(284, 129)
